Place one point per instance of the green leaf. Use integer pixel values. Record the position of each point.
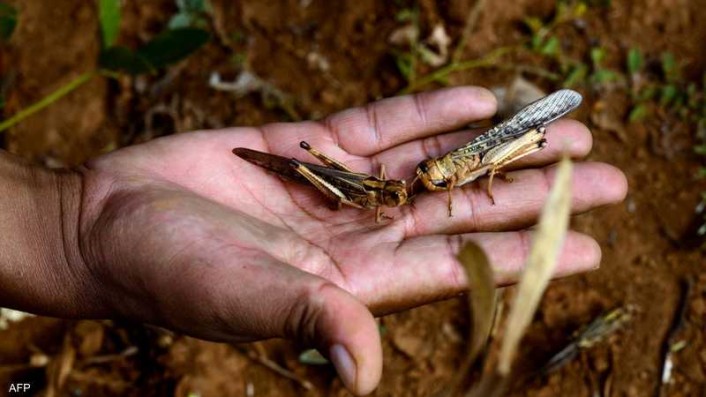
(172, 46)
(121, 59)
(669, 66)
(536, 42)
(181, 20)
(193, 6)
(109, 16)
(8, 21)
(635, 61)
(604, 76)
(312, 357)
(648, 93)
(702, 230)
(668, 94)
(638, 113)
(597, 55)
(534, 24)
(405, 15)
(701, 149)
(577, 76)
(551, 46)
(404, 65)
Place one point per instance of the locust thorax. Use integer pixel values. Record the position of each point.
(436, 173)
(394, 193)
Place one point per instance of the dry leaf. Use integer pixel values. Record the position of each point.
(541, 262)
(482, 302)
(482, 296)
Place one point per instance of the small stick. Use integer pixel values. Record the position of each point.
(261, 359)
(672, 336)
(468, 28)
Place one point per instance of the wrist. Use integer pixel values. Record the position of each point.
(41, 269)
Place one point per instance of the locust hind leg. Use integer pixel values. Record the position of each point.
(451, 185)
(324, 187)
(491, 175)
(326, 160)
(496, 169)
(379, 215)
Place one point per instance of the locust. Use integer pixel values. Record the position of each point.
(486, 155)
(334, 179)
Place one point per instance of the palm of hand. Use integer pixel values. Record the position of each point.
(396, 264)
(182, 233)
(295, 224)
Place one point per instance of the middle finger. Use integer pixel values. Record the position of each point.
(517, 204)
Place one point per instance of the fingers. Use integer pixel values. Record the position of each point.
(378, 126)
(517, 204)
(429, 264)
(564, 135)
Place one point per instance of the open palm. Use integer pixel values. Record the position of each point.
(182, 233)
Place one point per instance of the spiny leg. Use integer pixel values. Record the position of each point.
(379, 215)
(496, 171)
(329, 161)
(450, 188)
(520, 153)
(382, 172)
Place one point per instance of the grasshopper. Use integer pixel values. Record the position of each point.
(335, 180)
(487, 154)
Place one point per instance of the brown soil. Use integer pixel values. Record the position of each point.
(649, 252)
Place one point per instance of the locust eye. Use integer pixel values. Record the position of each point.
(423, 167)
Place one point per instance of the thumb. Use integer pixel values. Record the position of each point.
(261, 297)
(342, 328)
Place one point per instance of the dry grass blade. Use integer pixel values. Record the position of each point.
(542, 260)
(481, 298)
(481, 302)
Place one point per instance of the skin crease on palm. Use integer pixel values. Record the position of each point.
(180, 232)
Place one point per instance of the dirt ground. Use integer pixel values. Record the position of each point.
(327, 56)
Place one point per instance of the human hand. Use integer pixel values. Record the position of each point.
(181, 233)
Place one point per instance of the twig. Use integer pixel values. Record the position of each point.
(48, 100)
(468, 28)
(488, 60)
(266, 362)
(130, 351)
(668, 347)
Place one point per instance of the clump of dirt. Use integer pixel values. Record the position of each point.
(328, 56)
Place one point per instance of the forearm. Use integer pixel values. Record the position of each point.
(40, 266)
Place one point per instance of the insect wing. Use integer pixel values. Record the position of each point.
(538, 113)
(348, 182)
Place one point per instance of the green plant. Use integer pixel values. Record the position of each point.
(600, 74)
(666, 88)
(192, 13)
(542, 41)
(8, 21)
(168, 47)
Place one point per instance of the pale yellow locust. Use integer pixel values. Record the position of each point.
(504, 143)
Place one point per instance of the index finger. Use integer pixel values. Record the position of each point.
(367, 130)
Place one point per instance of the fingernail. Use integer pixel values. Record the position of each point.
(345, 366)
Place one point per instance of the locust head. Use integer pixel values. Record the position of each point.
(395, 193)
(435, 173)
